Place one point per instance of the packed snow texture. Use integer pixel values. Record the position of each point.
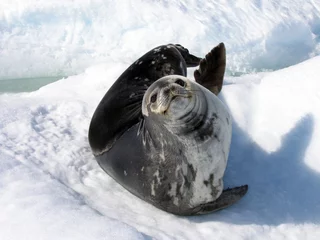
(37, 206)
(50, 184)
(57, 38)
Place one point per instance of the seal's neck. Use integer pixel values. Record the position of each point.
(189, 119)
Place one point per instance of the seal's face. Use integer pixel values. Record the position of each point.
(174, 100)
(161, 95)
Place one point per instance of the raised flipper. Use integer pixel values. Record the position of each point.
(227, 198)
(211, 70)
(191, 60)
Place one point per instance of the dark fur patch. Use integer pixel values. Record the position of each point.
(192, 171)
(211, 178)
(187, 183)
(216, 137)
(178, 192)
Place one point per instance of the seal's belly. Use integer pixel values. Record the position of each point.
(209, 157)
(209, 164)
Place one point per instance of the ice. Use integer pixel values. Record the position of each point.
(59, 38)
(274, 150)
(50, 184)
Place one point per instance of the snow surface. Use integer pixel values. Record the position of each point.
(58, 38)
(52, 188)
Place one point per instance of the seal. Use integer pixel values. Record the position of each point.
(165, 138)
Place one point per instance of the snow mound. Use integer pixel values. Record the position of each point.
(57, 38)
(276, 131)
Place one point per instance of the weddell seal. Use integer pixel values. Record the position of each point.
(165, 138)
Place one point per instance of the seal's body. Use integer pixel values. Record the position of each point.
(165, 138)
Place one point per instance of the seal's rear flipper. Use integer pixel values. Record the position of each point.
(227, 198)
(191, 60)
(211, 70)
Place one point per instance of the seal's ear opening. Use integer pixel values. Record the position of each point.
(211, 70)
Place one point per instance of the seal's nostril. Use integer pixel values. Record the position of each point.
(166, 91)
(173, 88)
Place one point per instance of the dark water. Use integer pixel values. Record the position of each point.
(25, 84)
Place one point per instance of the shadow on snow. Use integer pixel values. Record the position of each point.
(282, 188)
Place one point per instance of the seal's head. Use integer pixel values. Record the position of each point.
(175, 101)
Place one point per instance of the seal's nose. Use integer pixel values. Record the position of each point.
(177, 90)
(166, 91)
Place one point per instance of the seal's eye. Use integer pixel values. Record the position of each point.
(181, 83)
(153, 98)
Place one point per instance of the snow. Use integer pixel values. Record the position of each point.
(52, 188)
(60, 38)
(37, 206)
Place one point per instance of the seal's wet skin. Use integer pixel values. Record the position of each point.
(165, 138)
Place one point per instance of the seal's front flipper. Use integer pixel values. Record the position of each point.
(227, 198)
(191, 60)
(211, 70)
